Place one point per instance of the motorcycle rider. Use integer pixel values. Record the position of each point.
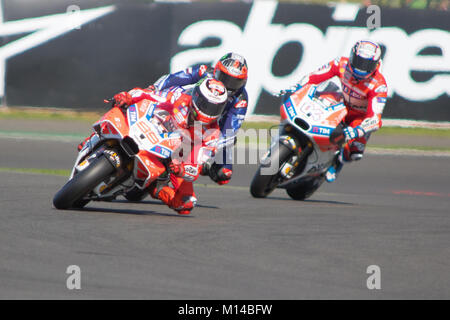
(186, 112)
(231, 70)
(365, 93)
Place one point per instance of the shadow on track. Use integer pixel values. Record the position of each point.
(160, 203)
(311, 201)
(136, 211)
(130, 211)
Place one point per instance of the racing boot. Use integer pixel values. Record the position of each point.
(184, 200)
(333, 171)
(184, 205)
(181, 203)
(345, 155)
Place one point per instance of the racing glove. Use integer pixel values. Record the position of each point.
(353, 133)
(176, 168)
(186, 171)
(288, 91)
(303, 81)
(122, 100)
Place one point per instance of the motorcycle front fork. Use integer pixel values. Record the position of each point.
(290, 167)
(287, 170)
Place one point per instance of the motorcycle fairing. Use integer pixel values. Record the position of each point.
(320, 113)
(147, 168)
(136, 122)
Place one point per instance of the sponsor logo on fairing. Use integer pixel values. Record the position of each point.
(132, 114)
(290, 109)
(149, 114)
(323, 131)
(166, 153)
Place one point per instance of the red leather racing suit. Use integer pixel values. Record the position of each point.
(364, 99)
(200, 140)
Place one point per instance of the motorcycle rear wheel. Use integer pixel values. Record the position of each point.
(306, 189)
(72, 193)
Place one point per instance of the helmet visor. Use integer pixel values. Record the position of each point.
(362, 66)
(230, 82)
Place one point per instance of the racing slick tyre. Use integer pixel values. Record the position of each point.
(136, 194)
(80, 203)
(72, 193)
(263, 185)
(305, 189)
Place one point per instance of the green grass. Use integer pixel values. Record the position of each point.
(414, 132)
(42, 135)
(53, 172)
(91, 117)
(391, 131)
(417, 148)
(259, 125)
(36, 114)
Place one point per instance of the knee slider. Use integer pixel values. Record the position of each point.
(356, 156)
(187, 203)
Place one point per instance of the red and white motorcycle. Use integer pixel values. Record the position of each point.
(310, 136)
(130, 150)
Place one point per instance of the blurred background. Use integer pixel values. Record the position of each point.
(73, 54)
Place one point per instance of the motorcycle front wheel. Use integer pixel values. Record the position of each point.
(72, 193)
(263, 185)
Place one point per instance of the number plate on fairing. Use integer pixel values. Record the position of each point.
(144, 134)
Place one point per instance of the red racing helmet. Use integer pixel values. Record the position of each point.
(231, 70)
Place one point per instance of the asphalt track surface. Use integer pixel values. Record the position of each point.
(390, 211)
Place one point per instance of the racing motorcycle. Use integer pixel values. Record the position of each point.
(310, 137)
(129, 150)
